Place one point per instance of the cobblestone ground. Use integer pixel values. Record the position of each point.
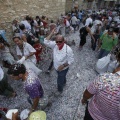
(67, 106)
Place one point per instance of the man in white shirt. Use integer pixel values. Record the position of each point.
(62, 57)
(26, 22)
(88, 21)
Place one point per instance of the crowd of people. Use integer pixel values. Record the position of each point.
(31, 35)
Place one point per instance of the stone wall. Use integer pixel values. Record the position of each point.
(70, 4)
(11, 9)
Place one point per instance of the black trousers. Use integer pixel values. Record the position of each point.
(83, 40)
(87, 114)
(93, 43)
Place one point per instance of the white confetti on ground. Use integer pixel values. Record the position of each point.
(67, 106)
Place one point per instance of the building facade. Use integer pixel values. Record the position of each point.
(106, 3)
(97, 4)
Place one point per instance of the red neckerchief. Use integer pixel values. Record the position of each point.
(61, 46)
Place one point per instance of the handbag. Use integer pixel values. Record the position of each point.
(102, 64)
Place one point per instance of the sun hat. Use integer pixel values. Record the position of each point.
(37, 115)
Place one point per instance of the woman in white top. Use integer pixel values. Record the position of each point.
(26, 55)
(25, 50)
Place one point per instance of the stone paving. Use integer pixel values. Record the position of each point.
(68, 105)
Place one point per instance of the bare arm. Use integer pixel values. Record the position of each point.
(117, 69)
(35, 103)
(50, 35)
(86, 96)
(31, 54)
(15, 116)
(89, 31)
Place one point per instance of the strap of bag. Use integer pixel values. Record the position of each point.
(66, 50)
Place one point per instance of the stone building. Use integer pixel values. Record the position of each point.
(106, 3)
(11, 9)
(96, 4)
(80, 4)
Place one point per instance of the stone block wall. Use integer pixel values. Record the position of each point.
(70, 4)
(11, 9)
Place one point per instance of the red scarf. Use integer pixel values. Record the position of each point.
(61, 46)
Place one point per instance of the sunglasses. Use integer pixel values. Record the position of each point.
(59, 41)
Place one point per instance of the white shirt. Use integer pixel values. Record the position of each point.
(95, 27)
(67, 23)
(88, 21)
(27, 25)
(36, 24)
(1, 73)
(62, 56)
(110, 18)
(27, 49)
(74, 20)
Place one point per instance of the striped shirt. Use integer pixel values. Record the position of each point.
(105, 104)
